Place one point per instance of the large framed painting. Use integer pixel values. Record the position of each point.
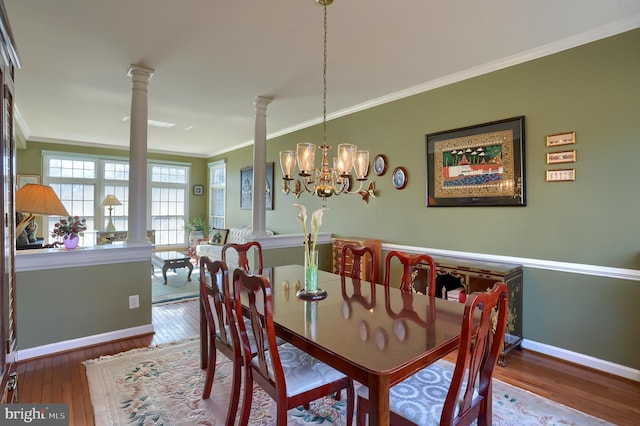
(246, 187)
(481, 165)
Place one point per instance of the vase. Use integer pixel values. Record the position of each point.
(310, 291)
(70, 242)
(311, 272)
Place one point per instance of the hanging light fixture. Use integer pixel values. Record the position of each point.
(324, 181)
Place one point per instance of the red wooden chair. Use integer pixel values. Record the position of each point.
(242, 250)
(222, 332)
(289, 375)
(358, 254)
(409, 262)
(418, 399)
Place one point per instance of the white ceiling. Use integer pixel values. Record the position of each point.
(212, 58)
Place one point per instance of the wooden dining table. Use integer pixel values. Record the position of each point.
(376, 335)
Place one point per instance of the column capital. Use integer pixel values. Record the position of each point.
(135, 69)
(261, 102)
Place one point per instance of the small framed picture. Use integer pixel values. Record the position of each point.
(561, 175)
(561, 139)
(25, 179)
(198, 189)
(561, 157)
(400, 177)
(380, 164)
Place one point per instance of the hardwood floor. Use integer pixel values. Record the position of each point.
(61, 378)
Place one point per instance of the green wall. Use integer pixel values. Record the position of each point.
(592, 90)
(56, 305)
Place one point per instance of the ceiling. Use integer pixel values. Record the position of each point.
(213, 58)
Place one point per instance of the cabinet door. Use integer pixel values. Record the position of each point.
(7, 287)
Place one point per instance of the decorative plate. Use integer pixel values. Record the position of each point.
(380, 164)
(400, 177)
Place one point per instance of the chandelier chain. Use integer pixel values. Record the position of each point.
(324, 80)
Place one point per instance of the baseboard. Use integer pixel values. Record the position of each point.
(82, 342)
(581, 359)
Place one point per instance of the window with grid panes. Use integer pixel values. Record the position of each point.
(217, 194)
(82, 182)
(116, 182)
(169, 194)
(74, 180)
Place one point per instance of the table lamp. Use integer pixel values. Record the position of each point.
(110, 201)
(37, 199)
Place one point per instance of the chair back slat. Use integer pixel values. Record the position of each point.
(480, 346)
(358, 255)
(409, 262)
(257, 290)
(243, 259)
(220, 319)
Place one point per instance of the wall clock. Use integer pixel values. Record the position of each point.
(380, 164)
(400, 177)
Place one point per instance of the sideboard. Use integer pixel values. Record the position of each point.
(474, 276)
(109, 237)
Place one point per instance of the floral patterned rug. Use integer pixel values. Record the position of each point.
(163, 386)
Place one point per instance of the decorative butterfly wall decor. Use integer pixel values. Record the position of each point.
(369, 192)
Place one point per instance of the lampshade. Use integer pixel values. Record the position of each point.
(110, 200)
(39, 199)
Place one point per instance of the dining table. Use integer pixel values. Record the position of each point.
(377, 335)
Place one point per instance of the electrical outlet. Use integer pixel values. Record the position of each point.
(134, 302)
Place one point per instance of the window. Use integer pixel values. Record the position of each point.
(217, 194)
(116, 182)
(74, 180)
(169, 194)
(83, 181)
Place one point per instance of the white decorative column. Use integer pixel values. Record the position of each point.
(259, 167)
(137, 231)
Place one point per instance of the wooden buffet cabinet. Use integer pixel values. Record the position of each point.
(338, 243)
(478, 276)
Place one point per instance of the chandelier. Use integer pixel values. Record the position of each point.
(325, 181)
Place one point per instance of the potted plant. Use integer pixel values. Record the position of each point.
(198, 228)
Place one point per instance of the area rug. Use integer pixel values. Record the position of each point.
(163, 386)
(177, 287)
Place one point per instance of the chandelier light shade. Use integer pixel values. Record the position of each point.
(110, 201)
(37, 199)
(325, 180)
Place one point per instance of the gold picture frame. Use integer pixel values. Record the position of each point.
(561, 157)
(561, 175)
(559, 139)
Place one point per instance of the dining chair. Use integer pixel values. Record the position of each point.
(409, 262)
(243, 249)
(359, 254)
(287, 374)
(418, 400)
(222, 333)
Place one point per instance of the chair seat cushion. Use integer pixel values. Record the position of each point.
(419, 398)
(302, 372)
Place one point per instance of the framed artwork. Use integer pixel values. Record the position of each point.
(481, 165)
(246, 187)
(198, 189)
(561, 157)
(399, 177)
(380, 164)
(561, 175)
(561, 139)
(25, 179)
